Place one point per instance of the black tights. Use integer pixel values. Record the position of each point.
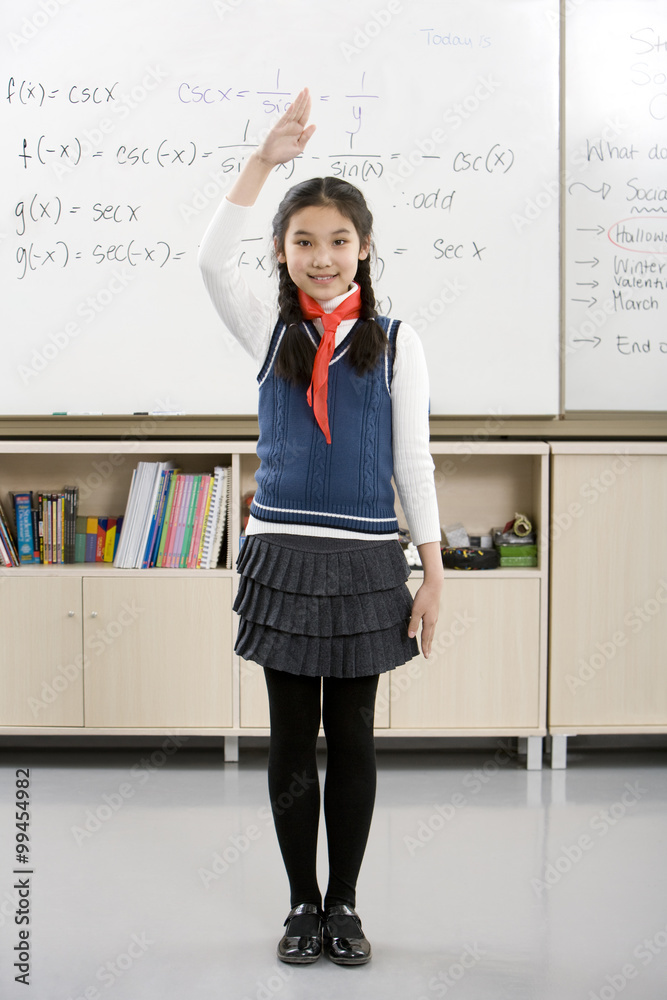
(349, 792)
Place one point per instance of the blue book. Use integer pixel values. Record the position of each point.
(23, 518)
(157, 522)
(119, 525)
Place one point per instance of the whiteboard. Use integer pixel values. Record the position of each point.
(616, 206)
(123, 125)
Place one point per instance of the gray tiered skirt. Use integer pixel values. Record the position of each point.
(323, 607)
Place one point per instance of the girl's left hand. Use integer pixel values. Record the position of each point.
(425, 609)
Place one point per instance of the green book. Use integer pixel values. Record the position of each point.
(80, 540)
(190, 522)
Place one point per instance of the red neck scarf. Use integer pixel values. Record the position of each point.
(318, 389)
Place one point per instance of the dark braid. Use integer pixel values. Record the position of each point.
(297, 352)
(369, 340)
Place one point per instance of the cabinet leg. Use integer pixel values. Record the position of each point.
(558, 752)
(534, 756)
(231, 749)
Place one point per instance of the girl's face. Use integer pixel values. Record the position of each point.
(321, 251)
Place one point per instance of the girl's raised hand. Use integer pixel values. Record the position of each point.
(289, 135)
(287, 139)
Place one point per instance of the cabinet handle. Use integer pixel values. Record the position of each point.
(70, 614)
(93, 614)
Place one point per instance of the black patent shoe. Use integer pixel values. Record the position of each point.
(302, 940)
(342, 936)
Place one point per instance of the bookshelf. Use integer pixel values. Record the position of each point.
(88, 648)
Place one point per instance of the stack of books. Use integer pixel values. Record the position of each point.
(97, 538)
(174, 520)
(48, 530)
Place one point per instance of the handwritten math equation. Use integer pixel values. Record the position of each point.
(65, 153)
(27, 93)
(43, 233)
(188, 93)
(39, 210)
(42, 208)
(59, 254)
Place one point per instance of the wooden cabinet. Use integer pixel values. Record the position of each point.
(151, 650)
(157, 652)
(89, 648)
(482, 674)
(41, 657)
(608, 636)
(116, 653)
(108, 650)
(487, 673)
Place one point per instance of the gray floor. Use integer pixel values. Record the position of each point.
(157, 875)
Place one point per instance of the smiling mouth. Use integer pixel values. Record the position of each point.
(321, 277)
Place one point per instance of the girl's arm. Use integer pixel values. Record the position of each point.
(413, 473)
(249, 318)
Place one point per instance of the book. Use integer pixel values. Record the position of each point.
(193, 560)
(102, 523)
(228, 515)
(119, 526)
(189, 522)
(141, 502)
(216, 522)
(59, 528)
(47, 528)
(178, 516)
(35, 530)
(152, 492)
(71, 494)
(5, 557)
(110, 540)
(80, 539)
(8, 552)
(222, 524)
(172, 527)
(207, 515)
(91, 539)
(23, 519)
(160, 560)
(157, 520)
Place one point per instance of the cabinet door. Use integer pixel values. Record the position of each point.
(41, 662)
(158, 652)
(483, 671)
(609, 592)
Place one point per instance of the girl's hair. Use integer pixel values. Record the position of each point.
(297, 352)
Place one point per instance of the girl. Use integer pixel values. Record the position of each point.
(343, 406)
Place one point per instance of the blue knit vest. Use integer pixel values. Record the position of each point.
(304, 480)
